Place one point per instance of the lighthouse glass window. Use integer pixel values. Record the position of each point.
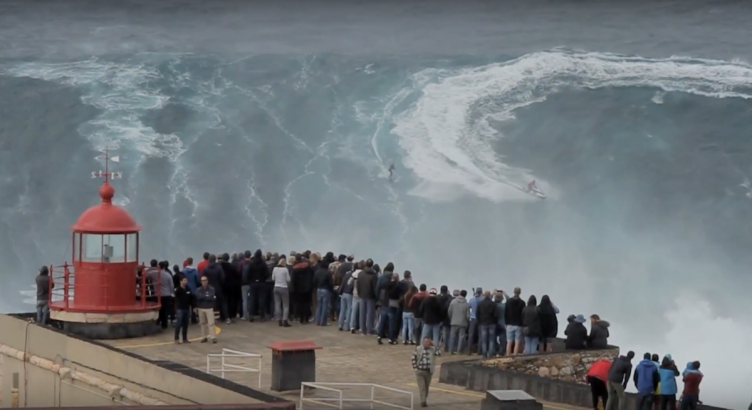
(113, 248)
(92, 248)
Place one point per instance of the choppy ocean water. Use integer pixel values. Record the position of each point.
(243, 126)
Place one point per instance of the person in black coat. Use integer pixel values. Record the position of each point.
(549, 323)
(258, 274)
(232, 287)
(302, 285)
(576, 333)
(531, 325)
(324, 285)
(430, 310)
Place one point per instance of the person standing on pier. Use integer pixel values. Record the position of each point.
(424, 362)
(206, 298)
(183, 296)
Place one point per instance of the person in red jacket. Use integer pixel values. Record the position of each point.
(202, 264)
(597, 376)
(691, 393)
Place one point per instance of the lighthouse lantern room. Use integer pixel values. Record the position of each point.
(100, 295)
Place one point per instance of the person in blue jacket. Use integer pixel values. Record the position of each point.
(668, 373)
(646, 380)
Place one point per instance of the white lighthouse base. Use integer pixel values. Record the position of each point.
(115, 325)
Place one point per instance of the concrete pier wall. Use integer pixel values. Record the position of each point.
(44, 367)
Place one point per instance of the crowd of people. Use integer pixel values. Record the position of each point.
(655, 383)
(361, 298)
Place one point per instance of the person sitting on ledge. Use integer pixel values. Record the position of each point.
(576, 333)
(598, 338)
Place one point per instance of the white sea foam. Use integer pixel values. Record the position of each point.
(447, 138)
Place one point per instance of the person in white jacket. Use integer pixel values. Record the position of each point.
(356, 302)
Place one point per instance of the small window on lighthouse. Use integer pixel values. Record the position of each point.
(132, 250)
(113, 248)
(92, 248)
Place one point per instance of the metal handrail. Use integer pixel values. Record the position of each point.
(230, 368)
(64, 275)
(342, 400)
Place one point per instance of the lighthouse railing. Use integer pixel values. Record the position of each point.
(61, 280)
(62, 284)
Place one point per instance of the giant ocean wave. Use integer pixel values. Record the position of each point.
(647, 162)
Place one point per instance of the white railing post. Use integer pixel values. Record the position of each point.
(340, 400)
(373, 389)
(302, 389)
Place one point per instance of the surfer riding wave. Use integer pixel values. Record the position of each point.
(532, 188)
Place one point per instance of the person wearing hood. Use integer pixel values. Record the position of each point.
(691, 393)
(549, 323)
(302, 285)
(531, 325)
(43, 294)
(576, 333)
(322, 281)
(598, 338)
(258, 274)
(382, 283)
(367, 291)
(487, 318)
(232, 287)
(459, 319)
(618, 377)
(213, 271)
(357, 304)
(668, 373)
(646, 379)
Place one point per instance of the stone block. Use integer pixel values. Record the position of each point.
(293, 362)
(509, 400)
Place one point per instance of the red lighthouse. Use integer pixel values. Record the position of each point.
(100, 295)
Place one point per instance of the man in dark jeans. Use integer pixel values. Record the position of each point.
(183, 302)
(258, 274)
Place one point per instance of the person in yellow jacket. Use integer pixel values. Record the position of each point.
(657, 394)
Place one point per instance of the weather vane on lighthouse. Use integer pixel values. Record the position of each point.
(107, 174)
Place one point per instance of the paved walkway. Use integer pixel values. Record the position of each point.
(344, 358)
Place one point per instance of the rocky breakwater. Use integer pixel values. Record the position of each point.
(569, 365)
